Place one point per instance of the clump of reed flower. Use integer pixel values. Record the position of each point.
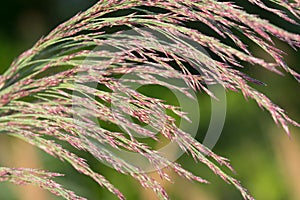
(37, 91)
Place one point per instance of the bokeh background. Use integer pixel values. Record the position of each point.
(267, 161)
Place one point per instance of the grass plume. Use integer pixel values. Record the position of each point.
(47, 93)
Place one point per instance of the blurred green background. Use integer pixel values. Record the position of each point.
(266, 160)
